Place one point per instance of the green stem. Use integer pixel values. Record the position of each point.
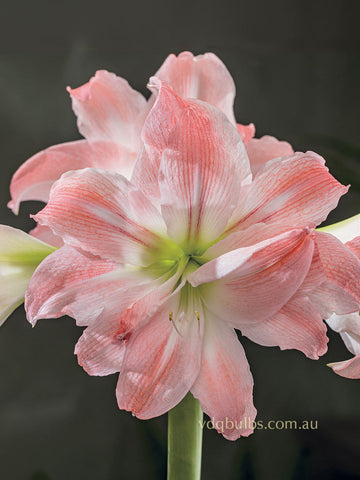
(185, 440)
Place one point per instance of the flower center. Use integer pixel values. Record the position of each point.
(168, 259)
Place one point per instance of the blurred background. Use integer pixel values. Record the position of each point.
(297, 71)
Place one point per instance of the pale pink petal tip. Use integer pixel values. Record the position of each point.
(347, 368)
(224, 386)
(154, 84)
(247, 132)
(82, 93)
(14, 206)
(203, 77)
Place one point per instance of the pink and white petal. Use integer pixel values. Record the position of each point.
(113, 157)
(161, 362)
(155, 134)
(158, 127)
(104, 214)
(203, 77)
(145, 176)
(316, 275)
(46, 235)
(298, 325)
(253, 283)
(329, 298)
(354, 246)
(162, 117)
(253, 235)
(253, 258)
(224, 386)
(246, 132)
(109, 109)
(341, 266)
(199, 189)
(34, 179)
(296, 190)
(70, 282)
(261, 150)
(348, 368)
(101, 348)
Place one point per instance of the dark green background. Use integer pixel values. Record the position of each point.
(297, 71)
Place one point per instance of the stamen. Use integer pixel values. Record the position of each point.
(197, 315)
(171, 318)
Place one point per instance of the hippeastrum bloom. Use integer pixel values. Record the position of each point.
(348, 325)
(111, 115)
(20, 254)
(162, 268)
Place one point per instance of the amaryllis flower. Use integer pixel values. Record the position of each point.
(348, 325)
(161, 269)
(111, 115)
(20, 254)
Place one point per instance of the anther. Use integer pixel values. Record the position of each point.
(171, 318)
(197, 315)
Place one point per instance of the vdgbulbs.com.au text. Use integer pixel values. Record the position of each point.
(228, 424)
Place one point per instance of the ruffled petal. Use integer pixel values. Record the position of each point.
(104, 214)
(198, 188)
(348, 368)
(251, 284)
(108, 109)
(298, 325)
(102, 346)
(34, 179)
(340, 293)
(224, 386)
(162, 361)
(190, 139)
(203, 77)
(261, 150)
(70, 282)
(296, 190)
(155, 134)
